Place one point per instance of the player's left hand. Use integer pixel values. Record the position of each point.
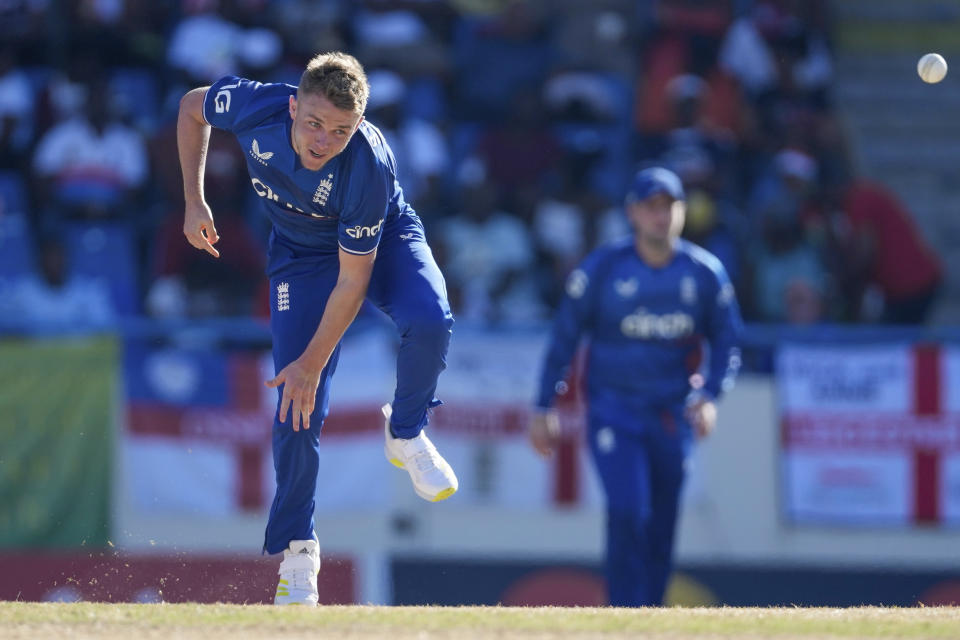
(300, 384)
(702, 415)
(544, 431)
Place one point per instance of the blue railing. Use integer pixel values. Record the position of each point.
(758, 345)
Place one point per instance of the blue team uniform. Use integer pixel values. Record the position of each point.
(355, 203)
(647, 328)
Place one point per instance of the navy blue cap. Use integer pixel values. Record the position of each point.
(654, 180)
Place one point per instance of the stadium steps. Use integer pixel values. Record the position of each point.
(905, 133)
(896, 11)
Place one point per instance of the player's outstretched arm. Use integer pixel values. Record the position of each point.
(301, 377)
(722, 331)
(572, 320)
(193, 136)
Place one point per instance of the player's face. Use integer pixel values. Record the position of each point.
(659, 218)
(320, 130)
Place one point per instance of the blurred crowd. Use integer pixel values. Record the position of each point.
(516, 126)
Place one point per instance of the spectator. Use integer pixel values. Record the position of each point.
(24, 22)
(559, 228)
(787, 185)
(91, 166)
(539, 88)
(885, 250)
(521, 152)
(204, 45)
(16, 110)
(499, 56)
(489, 255)
(789, 280)
(707, 228)
(188, 282)
(594, 36)
(52, 299)
(208, 44)
(308, 26)
(398, 37)
(785, 265)
(694, 139)
(745, 54)
(418, 145)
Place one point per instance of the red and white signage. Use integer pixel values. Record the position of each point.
(870, 433)
(191, 458)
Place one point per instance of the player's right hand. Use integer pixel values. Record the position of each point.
(544, 431)
(300, 382)
(199, 229)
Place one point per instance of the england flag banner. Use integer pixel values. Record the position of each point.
(870, 434)
(198, 423)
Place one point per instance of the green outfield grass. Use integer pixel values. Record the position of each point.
(132, 622)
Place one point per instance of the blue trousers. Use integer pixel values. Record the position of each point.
(407, 285)
(640, 460)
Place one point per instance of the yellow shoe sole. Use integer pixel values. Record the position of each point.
(443, 495)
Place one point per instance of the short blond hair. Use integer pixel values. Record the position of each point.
(338, 77)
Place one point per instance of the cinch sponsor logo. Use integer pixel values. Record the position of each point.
(364, 232)
(668, 326)
(264, 191)
(626, 288)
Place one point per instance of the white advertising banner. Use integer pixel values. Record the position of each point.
(950, 488)
(844, 380)
(870, 434)
(198, 428)
(951, 380)
(848, 487)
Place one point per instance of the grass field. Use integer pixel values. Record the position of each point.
(133, 622)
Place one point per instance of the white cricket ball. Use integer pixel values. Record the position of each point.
(932, 68)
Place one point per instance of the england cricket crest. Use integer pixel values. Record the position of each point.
(626, 287)
(323, 190)
(606, 440)
(688, 290)
(283, 296)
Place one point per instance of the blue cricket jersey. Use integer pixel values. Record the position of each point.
(349, 203)
(647, 327)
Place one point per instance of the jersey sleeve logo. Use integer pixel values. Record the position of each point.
(221, 102)
(577, 284)
(359, 232)
(626, 287)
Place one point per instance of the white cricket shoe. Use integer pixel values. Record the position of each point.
(298, 574)
(433, 479)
